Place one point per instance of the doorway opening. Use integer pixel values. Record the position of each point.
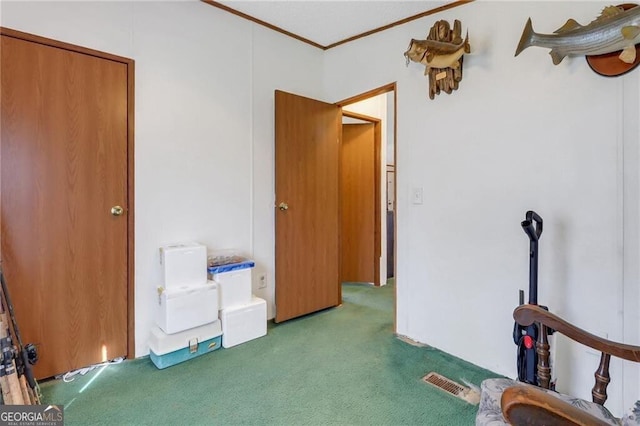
(360, 195)
(307, 187)
(376, 107)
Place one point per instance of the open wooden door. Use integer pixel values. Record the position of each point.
(307, 223)
(360, 203)
(66, 125)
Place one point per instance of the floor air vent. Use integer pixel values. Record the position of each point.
(451, 387)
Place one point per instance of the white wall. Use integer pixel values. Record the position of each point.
(204, 121)
(519, 134)
(390, 128)
(631, 231)
(279, 62)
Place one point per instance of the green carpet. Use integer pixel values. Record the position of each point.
(342, 366)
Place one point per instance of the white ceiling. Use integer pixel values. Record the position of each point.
(329, 21)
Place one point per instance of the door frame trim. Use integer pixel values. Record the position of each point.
(130, 64)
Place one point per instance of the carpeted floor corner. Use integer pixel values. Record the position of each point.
(342, 366)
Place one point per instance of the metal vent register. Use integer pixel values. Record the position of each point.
(451, 387)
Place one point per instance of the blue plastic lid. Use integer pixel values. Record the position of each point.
(231, 267)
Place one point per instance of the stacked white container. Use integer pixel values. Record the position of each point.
(187, 307)
(243, 316)
(186, 299)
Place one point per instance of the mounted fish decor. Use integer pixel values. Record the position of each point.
(442, 55)
(616, 29)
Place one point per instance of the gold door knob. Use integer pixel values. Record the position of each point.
(283, 206)
(117, 210)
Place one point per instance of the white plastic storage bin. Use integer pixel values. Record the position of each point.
(187, 307)
(234, 283)
(166, 350)
(183, 264)
(243, 323)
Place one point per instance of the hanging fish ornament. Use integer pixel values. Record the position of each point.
(437, 54)
(442, 54)
(614, 30)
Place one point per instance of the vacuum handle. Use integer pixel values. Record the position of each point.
(527, 224)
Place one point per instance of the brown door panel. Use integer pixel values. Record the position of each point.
(63, 166)
(307, 159)
(359, 261)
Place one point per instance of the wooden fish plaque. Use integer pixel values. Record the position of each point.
(442, 53)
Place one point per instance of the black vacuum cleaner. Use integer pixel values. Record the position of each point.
(525, 337)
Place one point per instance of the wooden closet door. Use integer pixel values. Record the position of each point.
(63, 167)
(359, 204)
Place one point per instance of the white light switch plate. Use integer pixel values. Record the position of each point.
(416, 195)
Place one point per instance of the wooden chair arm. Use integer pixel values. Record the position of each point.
(527, 405)
(528, 314)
